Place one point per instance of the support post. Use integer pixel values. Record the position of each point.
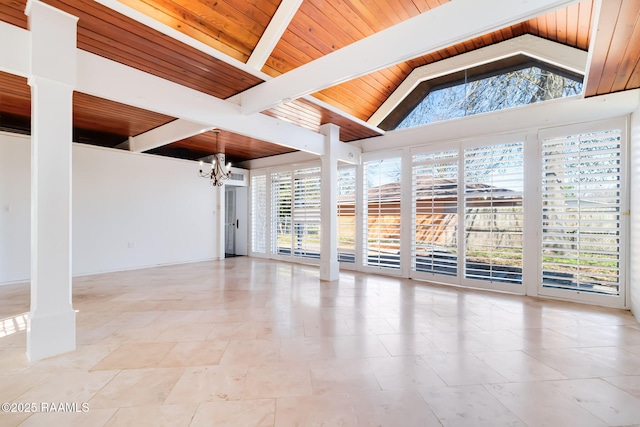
(329, 265)
(52, 320)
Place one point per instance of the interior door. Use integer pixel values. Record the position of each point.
(230, 221)
(242, 220)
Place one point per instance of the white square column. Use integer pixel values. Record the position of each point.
(52, 321)
(329, 265)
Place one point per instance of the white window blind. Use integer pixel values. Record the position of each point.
(493, 210)
(381, 216)
(434, 247)
(581, 208)
(281, 213)
(259, 214)
(306, 212)
(347, 214)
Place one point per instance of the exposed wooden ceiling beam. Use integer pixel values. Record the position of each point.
(272, 34)
(183, 38)
(15, 56)
(111, 80)
(108, 79)
(443, 26)
(176, 130)
(595, 22)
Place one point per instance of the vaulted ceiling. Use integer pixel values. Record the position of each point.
(229, 46)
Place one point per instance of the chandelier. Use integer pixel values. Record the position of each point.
(218, 172)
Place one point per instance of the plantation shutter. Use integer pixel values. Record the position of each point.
(306, 212)
(281, 213)
(347, 214)
(381, 217)
(434, 246)
(581, 212)
(493, 179)
(259, 214)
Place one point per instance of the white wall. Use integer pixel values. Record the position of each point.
(129, 210)
(15, 211)
(634, 255)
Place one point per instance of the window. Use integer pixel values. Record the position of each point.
(381, 218)
(472, 92)
(259, 214)
(463, 206)
(493, 210)
(347, 214)
(435, 213)
(281, 213)
(295, 201)
(306, 212)
(581, 212)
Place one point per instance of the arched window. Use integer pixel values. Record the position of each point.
(503, 84)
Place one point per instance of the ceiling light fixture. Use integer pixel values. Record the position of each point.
(219, 172)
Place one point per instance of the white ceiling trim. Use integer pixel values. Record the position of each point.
(272, 34)
(336, 110)
(569, 58)
(279, 160)
(452, 23)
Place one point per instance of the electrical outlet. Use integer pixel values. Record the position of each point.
(131, 244)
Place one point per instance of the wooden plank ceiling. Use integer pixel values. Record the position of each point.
(616, 55)
(319, 27)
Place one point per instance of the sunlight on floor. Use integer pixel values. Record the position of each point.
(11, 325)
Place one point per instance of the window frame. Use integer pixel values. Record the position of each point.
(620, 300)
(267, 216)
(440, 278)
(362, 265)
(424, 88)
(347, 264)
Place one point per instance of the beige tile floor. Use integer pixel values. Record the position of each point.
(246, 342)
